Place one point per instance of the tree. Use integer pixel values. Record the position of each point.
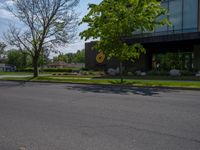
(61, 57)
(79, 56)
(113, 20)
(70, 57)
(17, 58)
(2, 49)
(46, 23)
(44, 59)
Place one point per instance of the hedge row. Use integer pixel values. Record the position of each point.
(58, 70)
(48, 70)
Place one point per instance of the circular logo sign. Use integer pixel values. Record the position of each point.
(100, 57)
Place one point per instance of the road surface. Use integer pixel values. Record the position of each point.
(36, 116)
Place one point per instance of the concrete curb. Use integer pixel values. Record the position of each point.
(108, 85)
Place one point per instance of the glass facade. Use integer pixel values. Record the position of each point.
(168, 61)
(190, 15)
(183, 14)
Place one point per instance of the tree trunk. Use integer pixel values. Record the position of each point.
(42, 62)
(35, 67)
(121, 72)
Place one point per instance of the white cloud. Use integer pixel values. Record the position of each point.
(72, 48)
(9, 2)
(6, 15)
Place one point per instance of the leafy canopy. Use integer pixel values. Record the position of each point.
(113, 20)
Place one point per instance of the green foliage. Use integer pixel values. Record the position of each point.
(58, 70)
(177, 60)
(61, 57)
(78, 57)
(47, 70)
(158, 73)
(44, 58)
(112, 21)
(18, 59)
(177, 82)
(25, 70)
(188, 73)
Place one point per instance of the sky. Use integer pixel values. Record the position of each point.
(6, 18)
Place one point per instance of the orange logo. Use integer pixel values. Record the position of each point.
(100, 57)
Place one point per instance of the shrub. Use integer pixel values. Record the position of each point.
(25, 70)
(158, 73)
(187, 73)
(58, 70)
(84, 69)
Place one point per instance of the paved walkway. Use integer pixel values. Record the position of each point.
(7, 76)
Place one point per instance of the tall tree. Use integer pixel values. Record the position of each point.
(47, 23)
(44, 58)
(79, 56)
(113, 20)
(61, 57)
(17, 58)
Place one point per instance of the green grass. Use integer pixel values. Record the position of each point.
(110, 81)
(151, 77)
(27, 73)
(15, 73)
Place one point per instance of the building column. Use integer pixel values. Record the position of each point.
(197, 57)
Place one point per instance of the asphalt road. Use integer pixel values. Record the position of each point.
(37, 116)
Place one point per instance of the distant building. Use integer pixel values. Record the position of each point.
(7, 68)
(183, 38)
(62, 64)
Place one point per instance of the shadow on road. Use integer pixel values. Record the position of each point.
(104, 89)
(119, 89)
(12, 84)
(5, 84)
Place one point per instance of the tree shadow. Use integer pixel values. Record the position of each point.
(119, 89)
(10, 84)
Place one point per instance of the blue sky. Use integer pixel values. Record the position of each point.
(6, 19)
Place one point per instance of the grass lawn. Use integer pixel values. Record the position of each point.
(15, 73)
(24, 73)
(112, 81)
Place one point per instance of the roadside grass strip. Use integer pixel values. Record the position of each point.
(109, 81)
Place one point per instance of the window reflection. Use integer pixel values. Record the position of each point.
(183, 15)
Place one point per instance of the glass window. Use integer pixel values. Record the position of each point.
(163, 28)
(175, 10)
(183, 14)
(190, 15)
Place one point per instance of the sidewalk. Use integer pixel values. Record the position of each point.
(7, 76)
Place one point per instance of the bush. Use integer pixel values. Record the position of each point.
(158, 73)
(58, 70)
(187, 73)
(68, 70)
(25, 70)
(84, 69)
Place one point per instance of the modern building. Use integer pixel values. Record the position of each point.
(180, 42)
